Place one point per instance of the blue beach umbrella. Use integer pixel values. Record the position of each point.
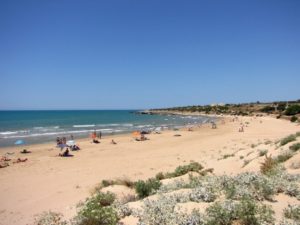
(61, 146)
(20, 142)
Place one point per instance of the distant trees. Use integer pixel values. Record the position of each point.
(292, 110)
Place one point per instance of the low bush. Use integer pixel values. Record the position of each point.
(283, 157)
(262, 152)
(295, 147)
(226, 156)
(203, 194)
(98, 210)
(221, 213)
(160, 176)
(193, 166)
(159, 212)
(294, 119)
(267, 109)
(292, 110)
(288, 139)
(246, 212)
(49, 218)
(292, 212)
(250, 213)
(145, 188)
(181, 170)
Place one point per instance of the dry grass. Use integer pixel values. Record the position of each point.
(268, 165)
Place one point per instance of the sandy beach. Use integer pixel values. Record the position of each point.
(47, 182)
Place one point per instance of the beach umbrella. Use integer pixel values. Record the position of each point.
(20, 142)
(157, 129)
(71, 142)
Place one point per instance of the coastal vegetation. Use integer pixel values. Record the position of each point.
(281, 109)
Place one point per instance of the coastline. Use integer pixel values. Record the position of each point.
(109, 123)
(46, 182)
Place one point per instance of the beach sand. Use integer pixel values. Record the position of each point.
(47, 182)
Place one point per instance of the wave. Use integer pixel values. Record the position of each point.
(8, 132)
(115, 125)
(9, 135)
(142, 126)
(85, 125)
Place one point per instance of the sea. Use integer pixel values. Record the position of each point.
(41, 126)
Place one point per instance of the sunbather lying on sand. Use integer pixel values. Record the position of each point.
(65, 153)
(3, 164)
(25, 151)
(96, 141)
(4, 158)
(19, 160)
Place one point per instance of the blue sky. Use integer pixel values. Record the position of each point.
(70, 54)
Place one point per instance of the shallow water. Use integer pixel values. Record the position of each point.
(46, 125)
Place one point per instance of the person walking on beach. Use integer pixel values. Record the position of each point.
(100, 135)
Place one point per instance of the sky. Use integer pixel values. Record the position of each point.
(139, 54)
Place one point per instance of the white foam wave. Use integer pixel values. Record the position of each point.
(107, 129)
(8, 132)
(127, 125)
(142, 126)
(84, 125)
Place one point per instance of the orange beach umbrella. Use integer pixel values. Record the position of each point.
(136, 133)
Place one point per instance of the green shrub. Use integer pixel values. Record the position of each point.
(246, 212)
(294, 119)
(145, 188)
(160, 176)
(227, 156)
(221, 213)
(295, 147)
(106, 183)
(182, 170)
(262, 152)
(249, 213)
(267, 109)
(98, 210)
(288, 139)
(283, 157)
(292, 212)
(193, 166)
(292, 110)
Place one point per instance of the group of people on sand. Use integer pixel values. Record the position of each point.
(4, 161)
(96, 135)
(142, 137)
(62, 143)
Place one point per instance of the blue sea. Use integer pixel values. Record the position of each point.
(45, 125)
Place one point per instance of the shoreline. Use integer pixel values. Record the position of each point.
(109, 135)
